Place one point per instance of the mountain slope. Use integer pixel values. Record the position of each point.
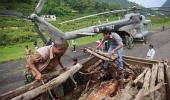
(166, 6)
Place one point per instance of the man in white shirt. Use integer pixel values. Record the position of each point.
(74, 45)
(151, 53)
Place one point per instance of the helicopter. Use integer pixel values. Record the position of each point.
(132, 26)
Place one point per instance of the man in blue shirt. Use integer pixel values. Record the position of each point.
(115, 45)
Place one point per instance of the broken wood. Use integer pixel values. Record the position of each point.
(103, 91)
(140, 76)
(147, 79)
(30, 86)
(127, 93)
(96, 54)
(161, 78)
(94, 66)
(153, 78)
(144, 92)
(102, 54)
(51, 84)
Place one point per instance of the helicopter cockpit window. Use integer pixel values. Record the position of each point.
(131, 17)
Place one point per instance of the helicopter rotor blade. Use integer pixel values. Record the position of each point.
(53, 31)
(39, 6)
(7, 13)
(93, 15)
(36, 27)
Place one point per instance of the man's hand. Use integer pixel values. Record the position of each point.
(38, 76)
(97, 47)
(64, 68)
(113, 51)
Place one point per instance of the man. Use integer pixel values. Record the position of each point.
(74, 45)
(151, 52)
(101, 47)
(115, 45)
(28, 51)
(47, 58)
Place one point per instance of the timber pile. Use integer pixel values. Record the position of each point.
(144, 80)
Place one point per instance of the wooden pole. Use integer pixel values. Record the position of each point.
(140, 76)
(147, 79)
(28, 87)
(51, 84)
(161, 78)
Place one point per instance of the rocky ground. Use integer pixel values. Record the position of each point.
(12, 73)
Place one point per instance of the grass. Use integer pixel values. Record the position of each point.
(13, 52)
(16, 51)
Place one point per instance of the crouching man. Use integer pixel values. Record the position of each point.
(47, 58)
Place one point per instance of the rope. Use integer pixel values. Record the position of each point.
(48, 91)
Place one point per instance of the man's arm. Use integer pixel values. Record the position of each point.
(101, 43)
(59, 60)
(152, 54)
(61, 64)
(32, 61)
(119, 46)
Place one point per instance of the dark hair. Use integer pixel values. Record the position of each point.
(35, 43)
(151, 45)
(106, 30)
(26, 46)
(61, 43)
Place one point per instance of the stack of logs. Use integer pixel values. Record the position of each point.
(144, 80)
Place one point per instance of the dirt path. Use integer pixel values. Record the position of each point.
(12, 73)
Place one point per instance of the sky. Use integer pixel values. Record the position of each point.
(149, 3)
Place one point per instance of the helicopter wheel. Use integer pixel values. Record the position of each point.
(129, 41)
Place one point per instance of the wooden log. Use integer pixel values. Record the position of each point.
(147, 79)
(137, 61)
(167, 77)
(103, 91)
(28, 87)
(140, 76)
(153, 76)
(144, 92)
(127, 93)
(161, 78)
(96, 54)
(105, 55)
(94, 65)
(140, 59)
(51, 84)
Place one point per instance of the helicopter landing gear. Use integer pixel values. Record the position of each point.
(129, 41)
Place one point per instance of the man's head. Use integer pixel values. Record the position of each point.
(26, 46)
(106, 32)
(60, 46)
(150, 46)
(106, 35)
